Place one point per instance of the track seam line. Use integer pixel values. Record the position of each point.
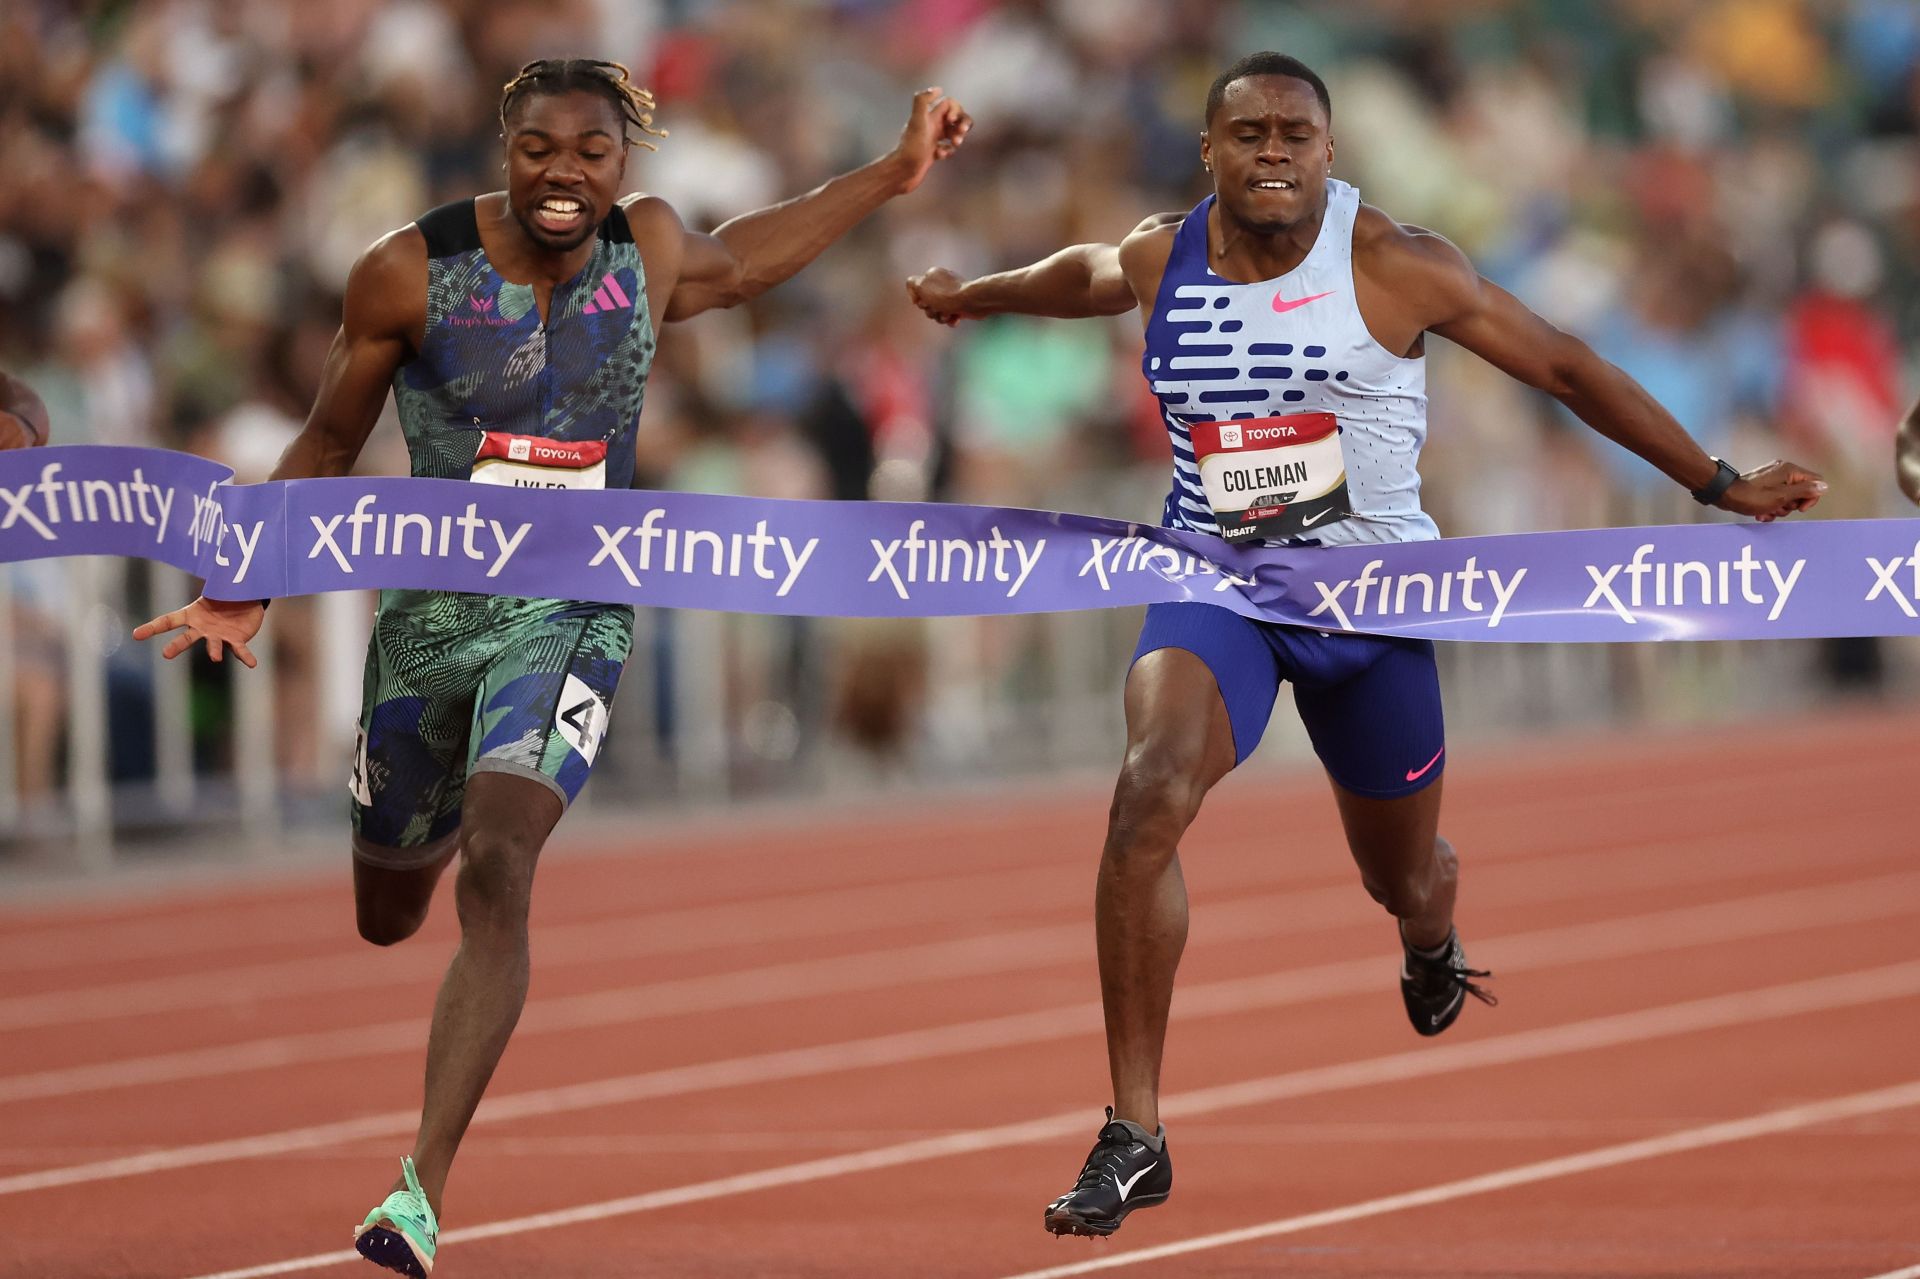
(1736, 780)
(1542, 948)
(860, 972)
(583, 942)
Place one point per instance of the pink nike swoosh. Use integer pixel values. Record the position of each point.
(1416, 776)
(1281, 306)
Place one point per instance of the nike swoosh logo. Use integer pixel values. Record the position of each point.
(1281, 306)
(1416, 775)
(1126, 1187)
(1315, 518)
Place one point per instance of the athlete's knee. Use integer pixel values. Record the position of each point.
(385, 925)
(494, 890)
(1156, 799)
(1410, 891)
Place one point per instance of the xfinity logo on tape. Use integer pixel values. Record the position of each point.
(1712, 582)
(936, 560)
(1884, 584)
(408, 533)
(697, 550)
(131, 501)
(1390, 595)
(1134, 554)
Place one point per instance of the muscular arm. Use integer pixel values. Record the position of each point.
(382, 319)
(1447, 296)
(1077, 282)
(748, 255)
(23, 418)
(1907, 454)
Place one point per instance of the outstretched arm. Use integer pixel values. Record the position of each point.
(23, 418)
(384, 314)
(1459, 305)
(750, 254)
(1077, 282)
(1906, 452)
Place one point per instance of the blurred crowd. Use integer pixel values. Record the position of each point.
(1723, 196)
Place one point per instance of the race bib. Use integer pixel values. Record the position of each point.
(528, 462)
(1272, 477)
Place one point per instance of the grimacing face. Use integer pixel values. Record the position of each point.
(566, 160)
(1270, 146)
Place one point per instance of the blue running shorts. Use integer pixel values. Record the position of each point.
(1371, 703)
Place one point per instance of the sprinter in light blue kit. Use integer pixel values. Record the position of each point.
(1286, 325)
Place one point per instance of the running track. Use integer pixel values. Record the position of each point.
(870, 1045)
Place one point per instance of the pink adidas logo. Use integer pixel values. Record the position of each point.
(608, 297)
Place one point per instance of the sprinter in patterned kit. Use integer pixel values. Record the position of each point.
(516, 331)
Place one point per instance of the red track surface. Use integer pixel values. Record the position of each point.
(871, 1046)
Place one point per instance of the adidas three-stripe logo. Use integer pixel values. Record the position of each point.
(608, 297)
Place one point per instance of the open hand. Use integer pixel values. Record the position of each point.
(1775, 490)
(935, 130)
(937, 292)
(223, 624)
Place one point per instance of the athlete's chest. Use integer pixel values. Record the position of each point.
(497, 360)
(1217, 349)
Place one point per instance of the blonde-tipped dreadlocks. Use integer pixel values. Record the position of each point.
(567, 75)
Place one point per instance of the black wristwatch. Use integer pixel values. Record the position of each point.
(1714, 489)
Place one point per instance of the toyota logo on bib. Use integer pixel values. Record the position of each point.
(1229, 437)
(519, 450)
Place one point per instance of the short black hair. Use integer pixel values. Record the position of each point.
(1266, 63)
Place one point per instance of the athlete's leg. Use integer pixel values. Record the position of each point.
(1197, 700)
(1372, 707)
(391, 903)
(506, 821)
(409, 765)
(1179, 743)
(540, 715)
(1404, 862)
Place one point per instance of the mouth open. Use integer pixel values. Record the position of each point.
(1273, 184)
(559, 214)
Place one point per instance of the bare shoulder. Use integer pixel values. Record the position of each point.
(1152, 240)
(387, 288)
(654, 223)
(393, 258)
(1412, 260)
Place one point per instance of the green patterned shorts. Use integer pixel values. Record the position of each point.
(460, 683)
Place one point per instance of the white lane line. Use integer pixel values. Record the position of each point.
(1911, 1272)
(95, 940)
(782, 917)
(1771, 1123)
(798, 917)
(1664, 863)
(886, 969)
(1848, 990)
(883, 969)
(1542, 949)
